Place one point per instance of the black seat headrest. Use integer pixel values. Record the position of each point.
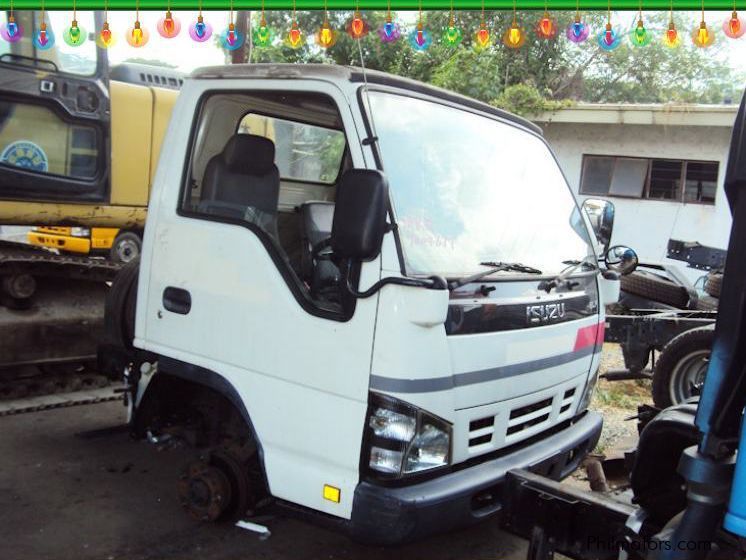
(249, 154)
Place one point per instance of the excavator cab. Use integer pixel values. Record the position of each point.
(54, 114)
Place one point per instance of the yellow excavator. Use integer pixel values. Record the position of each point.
(79, 144)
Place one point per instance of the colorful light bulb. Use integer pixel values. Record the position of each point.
(639, 36)
(357, 27)
(168, 26)
(547, 27)
(452, 36)
(609, 39)
(11, 31)
(74, 35)
(262, 34)
(389, 31)
(43, 38)
(105, 38)
(294, 38)
(482, 39)
(671, 37)
(514, 37)
(734, 27)
(702, 36)
(420, 38)
(577, 31)
(200, 30)
(231, 39)
(326, 37)
(137, 36)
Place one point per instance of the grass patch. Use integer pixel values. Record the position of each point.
(626, 395)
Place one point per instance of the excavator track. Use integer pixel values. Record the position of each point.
(51, 322)
(19, 258)
(49, 402)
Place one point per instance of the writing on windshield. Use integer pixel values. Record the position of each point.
(468, 189)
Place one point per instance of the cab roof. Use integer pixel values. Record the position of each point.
(334, 72)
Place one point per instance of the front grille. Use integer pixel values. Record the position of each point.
(528, 416)
(567, 399)
(481, 431)
(528, 409)
(503, 424)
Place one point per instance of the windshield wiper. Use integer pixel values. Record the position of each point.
(561, 278)
(496, 267)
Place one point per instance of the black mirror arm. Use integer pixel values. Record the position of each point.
(430, 283)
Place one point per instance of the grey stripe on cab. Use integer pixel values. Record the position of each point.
(433, 384)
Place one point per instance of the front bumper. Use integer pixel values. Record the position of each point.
(393, 515)
(62, 242)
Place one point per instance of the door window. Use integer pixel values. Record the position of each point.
(36, 138)
(270, 162)
(304, 152)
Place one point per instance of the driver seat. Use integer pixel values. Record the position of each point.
(243, 182)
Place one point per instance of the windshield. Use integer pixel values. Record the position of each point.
(79, 60)
(468, 189)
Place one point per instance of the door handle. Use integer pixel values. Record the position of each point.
(177, 300)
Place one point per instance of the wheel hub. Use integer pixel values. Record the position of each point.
(127, 250)
(689, 375)
(204, 491)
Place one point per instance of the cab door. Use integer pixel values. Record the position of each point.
(54, 114)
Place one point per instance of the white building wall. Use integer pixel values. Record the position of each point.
(647, 225)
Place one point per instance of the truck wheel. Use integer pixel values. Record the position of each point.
(655, 287)
(681, 367)
(119, 313)
(713, 283)
(126, 247)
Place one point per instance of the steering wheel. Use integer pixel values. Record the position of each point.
(322, 250)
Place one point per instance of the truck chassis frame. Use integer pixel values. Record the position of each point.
(641, 332)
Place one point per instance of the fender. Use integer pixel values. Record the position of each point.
(210, 379)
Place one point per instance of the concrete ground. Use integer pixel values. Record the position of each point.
(67, 493)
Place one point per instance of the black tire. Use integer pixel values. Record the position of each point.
(655, 287)
(126, 247)
(713, 283)
(681, 366)
(119, 313)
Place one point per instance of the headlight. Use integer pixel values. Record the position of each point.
(403, 439)
(80, 232)
(590, 388)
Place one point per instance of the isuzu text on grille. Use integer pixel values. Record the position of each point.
(545, 313)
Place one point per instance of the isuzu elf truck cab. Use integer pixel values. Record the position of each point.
(361, 296)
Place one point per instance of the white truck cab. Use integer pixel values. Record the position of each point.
(363, 296)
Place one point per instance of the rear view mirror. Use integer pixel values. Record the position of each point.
(621, 259)
(601, 214)
(359, 215)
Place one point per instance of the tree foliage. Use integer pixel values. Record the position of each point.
(542, 75)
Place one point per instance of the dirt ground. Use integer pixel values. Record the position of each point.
(73, 487)
(618, 401)
(68, 494)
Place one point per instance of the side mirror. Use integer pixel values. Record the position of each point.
(359, 215)
(601, 214)
(621, 259)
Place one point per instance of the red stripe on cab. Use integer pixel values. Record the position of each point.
(589, 336)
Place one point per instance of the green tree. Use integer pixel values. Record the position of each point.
(548, 71)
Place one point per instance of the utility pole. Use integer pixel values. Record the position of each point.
(243, 27)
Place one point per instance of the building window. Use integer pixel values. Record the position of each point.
(701, 182)
(656, 179)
